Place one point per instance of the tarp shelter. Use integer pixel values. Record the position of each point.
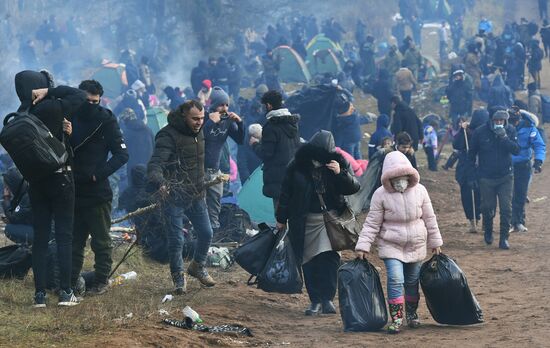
(317, 108)
(156, 119)
(252, 200)
(112, 77)
(292, 68)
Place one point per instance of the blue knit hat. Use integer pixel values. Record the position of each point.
(218, 97)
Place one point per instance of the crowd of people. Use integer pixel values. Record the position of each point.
(210, 125)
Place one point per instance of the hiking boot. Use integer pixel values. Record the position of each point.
(67, 299)
(396, 314)
(99, 288)
(313, 309)
(473, 227)
(196, 270)
(79, 287)
(328, 307)
(39, 300)
(520, 228)
(180, 285)
(411, 315)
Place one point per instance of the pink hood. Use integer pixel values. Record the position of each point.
(396, 165)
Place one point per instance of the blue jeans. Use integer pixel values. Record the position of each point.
(354, 149)
(401, 275)
(22, 234)
(198, 215)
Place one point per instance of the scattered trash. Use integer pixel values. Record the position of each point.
(188, 312)
(122, 278)
(163, 312)
(251, 232)
(167, 298)
(189, 325)
(219, 257)
(539, 199)
(130, 315)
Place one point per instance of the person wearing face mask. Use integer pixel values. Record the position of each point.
(316, 169)
(492, 147)
(96, 135)
(402, 220)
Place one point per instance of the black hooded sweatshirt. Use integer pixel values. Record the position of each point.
(60, 103)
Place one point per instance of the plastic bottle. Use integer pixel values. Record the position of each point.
(190, 313)
(122, 278)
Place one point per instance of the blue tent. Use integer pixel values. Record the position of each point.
(252, 200)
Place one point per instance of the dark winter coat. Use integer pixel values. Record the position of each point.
(178, 157)
(140, 142)
(96, 134)
(298, 194)
(461, 96)
(405, 120)
(383, 92)
(382, 131)
(280, 140)
(493, 154)
(465, 169)
(199, 74)
(19, 213)
(500, 94)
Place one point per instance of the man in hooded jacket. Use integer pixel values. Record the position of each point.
(52, 197)
(280, 140)
(492, 147)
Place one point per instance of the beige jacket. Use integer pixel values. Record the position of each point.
(404, 80)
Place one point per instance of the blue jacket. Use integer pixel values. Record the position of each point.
(215, 135)
(382, 131)
(347, 130)
(529, 141)
(493, 154)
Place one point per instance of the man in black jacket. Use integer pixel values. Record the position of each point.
(51, 197)
(405, 120)
(95, 134)
(176, 172)
(493, 145)
(279, 142)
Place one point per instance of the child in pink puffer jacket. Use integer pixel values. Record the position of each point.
(402, 217)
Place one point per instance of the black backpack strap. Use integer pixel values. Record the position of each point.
(18, 195)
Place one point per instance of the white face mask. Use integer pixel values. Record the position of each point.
(400, 184)
(316, 164)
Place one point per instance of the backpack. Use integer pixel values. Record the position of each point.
(31, 145)
(545, 108)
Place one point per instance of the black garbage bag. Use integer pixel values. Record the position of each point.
(281, 273)
(15, 261)
(253, 254)
(447, 294)
(362, 302)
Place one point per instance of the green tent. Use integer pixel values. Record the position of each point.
(321, 42)
(156, 118)
(324, 61)
(293, 68)
(252, 200)
(112, 78)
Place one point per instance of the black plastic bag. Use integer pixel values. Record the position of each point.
(447, 294)
(253, 254)
(362, 302)
(15, 261)
(281, 273)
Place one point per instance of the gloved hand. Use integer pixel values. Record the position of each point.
(501, 133)
(538, 166)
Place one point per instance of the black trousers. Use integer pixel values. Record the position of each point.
(320, 276)
(467, 202)
(52, 200)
